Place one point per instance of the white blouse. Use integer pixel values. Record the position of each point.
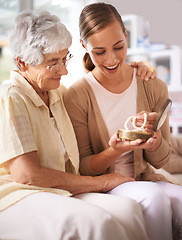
(59, 136)
(115, 109)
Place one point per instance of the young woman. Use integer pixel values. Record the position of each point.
(98, 106)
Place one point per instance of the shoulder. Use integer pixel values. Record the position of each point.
(79, 95)
(80, 88)
(153, 87)
(154, 92)
(8, 91)
(151, 84)
(80, 85)
(4, 89)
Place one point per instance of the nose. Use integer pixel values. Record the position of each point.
(110, 58)
(63, 70)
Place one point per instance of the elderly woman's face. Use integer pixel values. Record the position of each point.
(41, 77)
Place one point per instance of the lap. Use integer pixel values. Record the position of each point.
(47, 204)
(49, 216)
(125, 210)
(115, 205)
(52, 216)
(172, 190)
(139, 190)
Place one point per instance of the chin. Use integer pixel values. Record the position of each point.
(56, 86)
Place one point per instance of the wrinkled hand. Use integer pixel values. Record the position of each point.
(112, 180)
(143, 71)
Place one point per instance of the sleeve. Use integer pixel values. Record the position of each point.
(157, 95)
(16, 136)
(175, 162)
(77, 107)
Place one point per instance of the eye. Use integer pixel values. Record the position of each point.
(64, 59)
(118, 48)
(99, 53)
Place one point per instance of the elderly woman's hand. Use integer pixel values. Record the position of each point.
(112, 180)
(143, 71)
(26, 169)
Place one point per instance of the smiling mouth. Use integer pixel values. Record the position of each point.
(112, 68)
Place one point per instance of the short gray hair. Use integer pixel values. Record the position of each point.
(36, 33)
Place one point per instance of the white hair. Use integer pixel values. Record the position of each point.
(36, 33)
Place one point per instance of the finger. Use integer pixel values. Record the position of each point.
(154, 74)
(128, 179)
(149, 129)
(150, 142)
(144, 73)
(113, 140)
(157, 134)
(133, 64)
(135, 142)
(151, 116)
(150, 120)
(147, 76)
(141, 113)
(148, 126)
(141, 69)
(150, 75)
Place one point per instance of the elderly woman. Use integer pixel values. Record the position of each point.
(42, 195)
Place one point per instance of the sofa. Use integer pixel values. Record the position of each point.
(173, 169)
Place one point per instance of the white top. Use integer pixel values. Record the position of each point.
(110, 104)
(59, 136)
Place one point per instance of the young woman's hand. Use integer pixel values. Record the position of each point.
(150, 145)
(143, 71)
(151, 118)
(153, 143)
(121, 147)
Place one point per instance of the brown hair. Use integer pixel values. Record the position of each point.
(93, 18)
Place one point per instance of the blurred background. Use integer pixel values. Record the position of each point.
(154, 37)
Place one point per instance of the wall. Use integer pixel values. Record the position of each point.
(164, 16)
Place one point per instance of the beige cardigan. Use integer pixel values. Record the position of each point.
(92, 134)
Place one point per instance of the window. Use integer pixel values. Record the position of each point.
(8, 12)
(67, 10)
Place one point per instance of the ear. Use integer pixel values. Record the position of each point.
(22, 65)
(83, 45)
(125, 33)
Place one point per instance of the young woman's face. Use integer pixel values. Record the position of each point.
(108, 49)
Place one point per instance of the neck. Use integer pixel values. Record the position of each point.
(43, 94)
(118, 84)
